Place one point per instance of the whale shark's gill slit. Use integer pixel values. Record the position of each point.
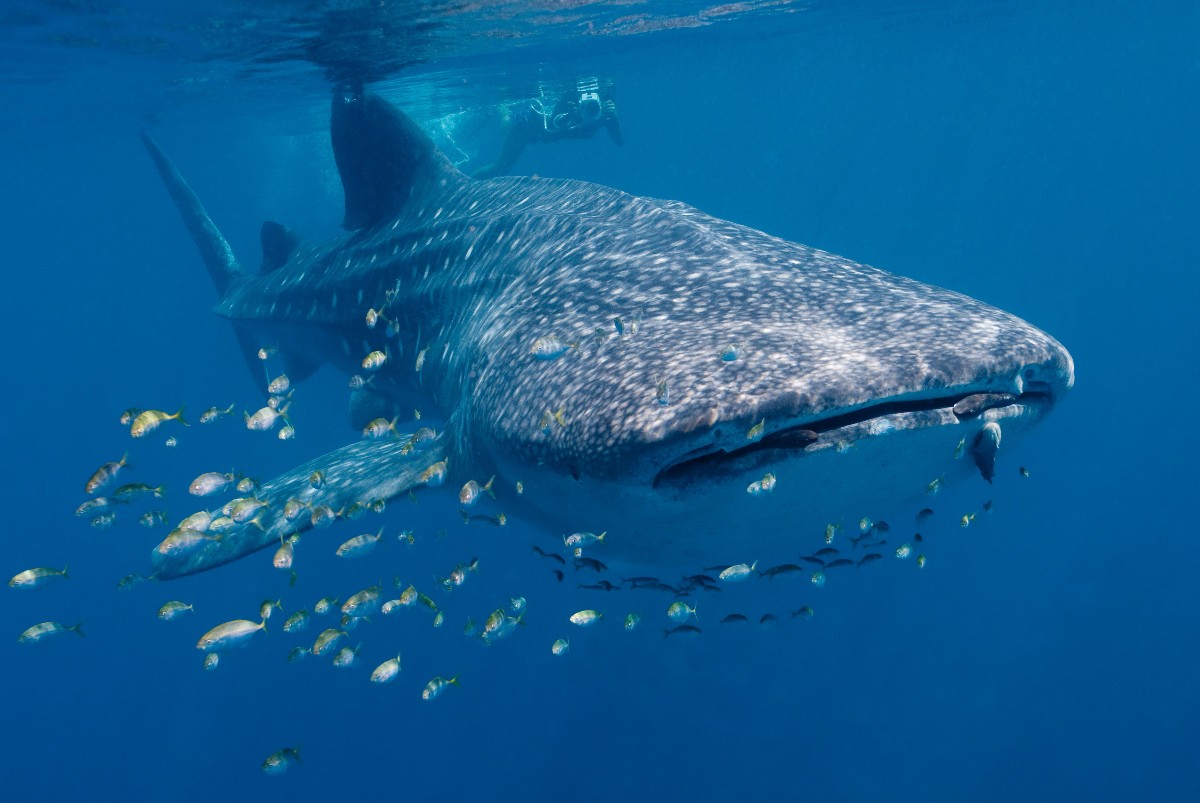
(712, 459)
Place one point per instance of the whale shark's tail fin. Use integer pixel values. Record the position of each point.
(383, 157)
(218, 257)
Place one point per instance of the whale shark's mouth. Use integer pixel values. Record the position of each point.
(711, 461)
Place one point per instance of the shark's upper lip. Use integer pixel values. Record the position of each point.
(796, 437)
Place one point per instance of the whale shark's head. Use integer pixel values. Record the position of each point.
(740, 355)
(696, 388)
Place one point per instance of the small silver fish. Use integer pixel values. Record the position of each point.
(681, 612)
(436, 686)
(213, 413)
(324, 515)
(363, 603)
(327, 640)
(173, 610)
(285, 556)
(346, 657)
(229, 634)
(278, 762)
(359, 545)
(149, 420)
(551, 347)
(210, 483)
(379, 428)
(45, 630)
(182, 542)
(264, 418)
(586, 618)
(470, 492)
(375, 360)
(152, 518)
(387, 671)
(737, 573)
(105, 474)
(297, 622)
(36, 578)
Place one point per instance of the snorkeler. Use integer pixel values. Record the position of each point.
(576, 115)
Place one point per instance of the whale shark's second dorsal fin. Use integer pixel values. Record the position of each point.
(383, 157)
(279, 244)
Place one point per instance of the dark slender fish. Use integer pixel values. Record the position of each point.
(682, 630)
(783, 568)
(656, 587)
(553, 556)
(603, 585)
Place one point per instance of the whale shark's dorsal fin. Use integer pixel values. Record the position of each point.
(279, 244)
(218, 257)
(383, 157)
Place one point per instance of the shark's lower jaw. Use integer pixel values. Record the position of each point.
(842, 430)
(877, 461)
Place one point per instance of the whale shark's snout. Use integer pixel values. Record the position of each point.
(1020, 382)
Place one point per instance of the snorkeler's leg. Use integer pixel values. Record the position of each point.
(612, 123)
(514, 143)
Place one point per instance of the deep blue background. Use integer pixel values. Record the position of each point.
(1042, 160)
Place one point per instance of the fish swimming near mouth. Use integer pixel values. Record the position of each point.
(859, 383)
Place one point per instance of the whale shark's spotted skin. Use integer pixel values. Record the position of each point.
(818, 332)
(477, 271)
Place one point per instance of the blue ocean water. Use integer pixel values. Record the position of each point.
(1039, 157)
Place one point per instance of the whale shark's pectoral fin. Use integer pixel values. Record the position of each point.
(365, 472)
(383, 157)
(279, 244)
(218, 257)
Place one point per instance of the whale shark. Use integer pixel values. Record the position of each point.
(636, 364)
